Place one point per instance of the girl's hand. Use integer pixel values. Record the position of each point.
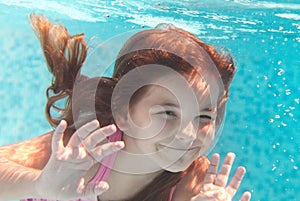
(214, 185)
(62, 177)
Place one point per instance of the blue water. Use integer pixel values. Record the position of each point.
(262, 122)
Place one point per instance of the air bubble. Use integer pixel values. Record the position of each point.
(291, 108)
(281, 71)
(283, 124)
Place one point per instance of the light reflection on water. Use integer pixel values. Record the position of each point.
(262, 123)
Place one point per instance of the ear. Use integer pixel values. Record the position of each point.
(122, 121)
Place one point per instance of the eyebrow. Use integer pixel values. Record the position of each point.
(170, 105)
(208, 109)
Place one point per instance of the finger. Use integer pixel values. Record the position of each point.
(104, 150)
(98, 136)
(236, 181)
(82, 132)
(91, 189)
(223, 174)
(57, 141)
(212, 170)
(96, 189)
(246, 196)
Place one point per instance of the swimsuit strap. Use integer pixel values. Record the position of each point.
(108, 162)
(103, 171)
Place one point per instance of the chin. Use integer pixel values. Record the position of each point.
(176, 161)
(178, 166)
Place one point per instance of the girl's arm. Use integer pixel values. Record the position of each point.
(54, 166)
(213, 184)
(20, 166)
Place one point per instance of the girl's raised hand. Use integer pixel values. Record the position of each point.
(214, 185)
(63, 176)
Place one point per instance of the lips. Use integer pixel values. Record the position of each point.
(179, 148)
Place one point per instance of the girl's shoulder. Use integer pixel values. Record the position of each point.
(33, 153)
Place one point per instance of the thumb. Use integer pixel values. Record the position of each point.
(92, 189)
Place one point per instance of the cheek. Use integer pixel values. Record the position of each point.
(206, 132)
(140, 118)
(162, 128)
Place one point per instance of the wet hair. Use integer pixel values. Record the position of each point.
(179, 50)
(65, 55)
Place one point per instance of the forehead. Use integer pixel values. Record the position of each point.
(193, 88)
(171, 92)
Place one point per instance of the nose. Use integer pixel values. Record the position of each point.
(188, 133)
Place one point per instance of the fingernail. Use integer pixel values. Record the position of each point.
(109, 130)
(215, 157)
(231, 154)
(63, 122)
(113, 128)
(95, 122)
(103, 186)
(119, 144)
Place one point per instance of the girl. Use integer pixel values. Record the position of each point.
(159, 115)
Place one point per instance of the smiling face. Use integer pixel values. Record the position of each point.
(168, 121)
(171, 123)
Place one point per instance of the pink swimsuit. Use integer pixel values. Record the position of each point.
(103, 171)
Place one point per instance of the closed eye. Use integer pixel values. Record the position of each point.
(169, 114)
(205, 117)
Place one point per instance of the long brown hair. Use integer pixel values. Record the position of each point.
(66, 54)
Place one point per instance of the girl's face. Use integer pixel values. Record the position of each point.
(171, 123)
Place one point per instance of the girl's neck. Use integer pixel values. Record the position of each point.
(129, 175)
(123, 186)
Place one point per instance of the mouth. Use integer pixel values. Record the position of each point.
(178, 148)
